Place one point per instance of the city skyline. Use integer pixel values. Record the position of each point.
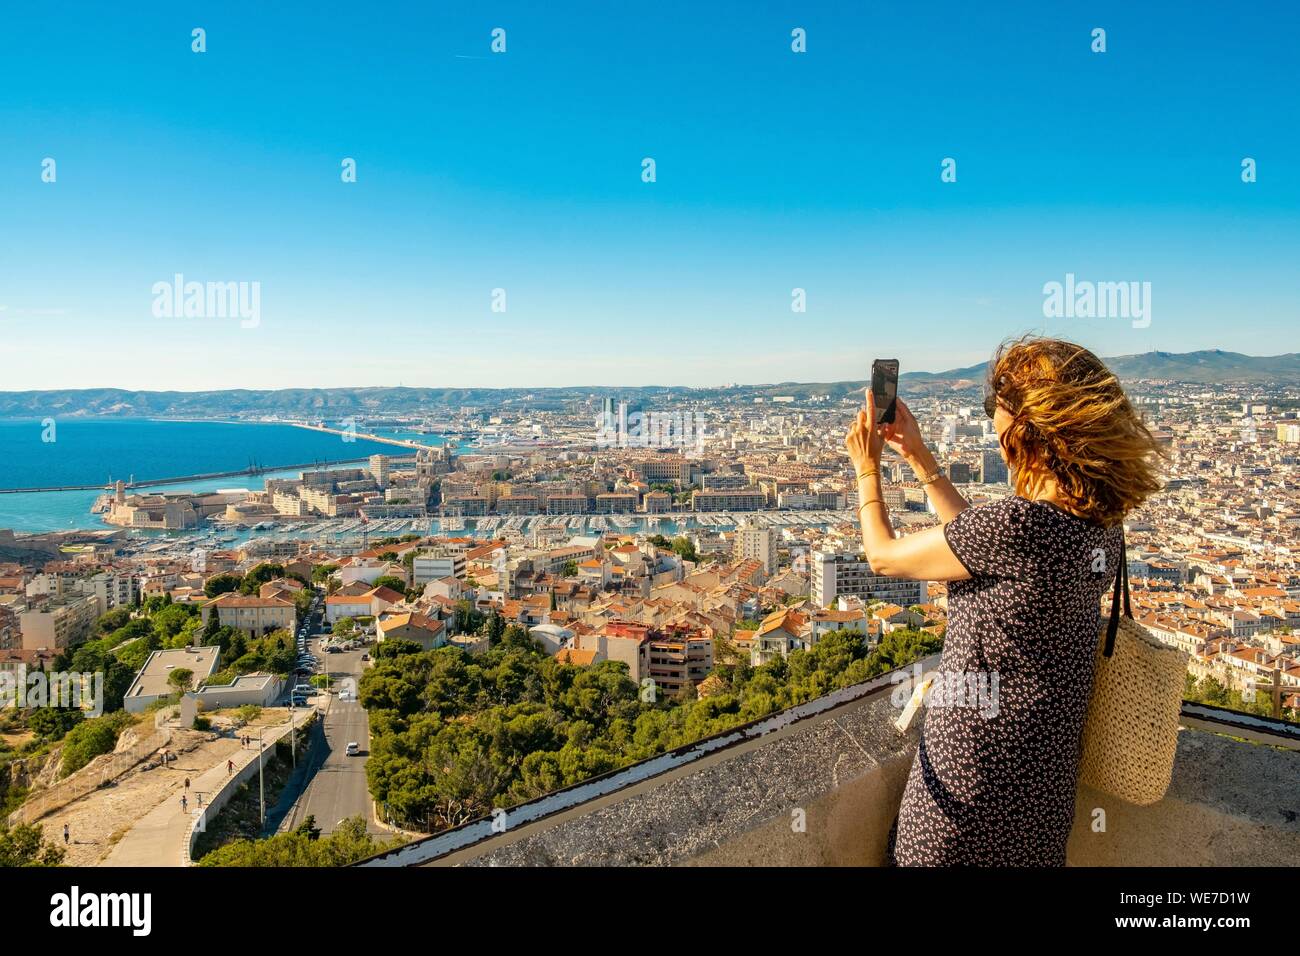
(522, 171)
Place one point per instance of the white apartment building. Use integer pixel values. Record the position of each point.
(110, 589)
(753, 543)
(834, 574)
(433, 565)
(113, 589)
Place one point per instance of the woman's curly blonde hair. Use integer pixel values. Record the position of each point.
(1072, 420)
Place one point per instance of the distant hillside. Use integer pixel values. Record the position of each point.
(1212, 366)
(1206, 367)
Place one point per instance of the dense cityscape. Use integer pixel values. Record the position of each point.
(686, 553)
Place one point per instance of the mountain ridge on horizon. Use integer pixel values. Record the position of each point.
(1207, 366)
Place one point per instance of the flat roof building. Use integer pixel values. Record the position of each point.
(151, 683)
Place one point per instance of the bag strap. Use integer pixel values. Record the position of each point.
(1121, 586)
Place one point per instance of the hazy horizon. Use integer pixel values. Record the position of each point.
(599, 387)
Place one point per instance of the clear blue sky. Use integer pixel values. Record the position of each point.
(523, 171)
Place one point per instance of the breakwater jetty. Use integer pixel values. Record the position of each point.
(182, 479)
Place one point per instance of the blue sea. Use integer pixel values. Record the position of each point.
(95, 450)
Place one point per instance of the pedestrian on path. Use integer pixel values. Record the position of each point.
(66, 835)
(230, 767)
(185, 804)
(187, 783)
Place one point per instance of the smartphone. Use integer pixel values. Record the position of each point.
(884, 389)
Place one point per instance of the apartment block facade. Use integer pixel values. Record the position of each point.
(835, 574)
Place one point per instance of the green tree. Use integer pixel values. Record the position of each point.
(25, 845)
(346, 845)
(52, 723)
(171, 620)
(90, 739)
(1213, 692)
(494, 627)
(322, 572)
(467, 618)
(260, 574)
(391, 582)
(112, 620)
(221, 584)
(395, 647)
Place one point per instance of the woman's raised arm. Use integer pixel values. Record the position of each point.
(924, 555)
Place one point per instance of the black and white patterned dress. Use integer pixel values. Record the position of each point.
(995, 785)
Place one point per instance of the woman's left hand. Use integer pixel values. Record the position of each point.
(865, 441)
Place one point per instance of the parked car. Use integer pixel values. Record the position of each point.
(365, 657)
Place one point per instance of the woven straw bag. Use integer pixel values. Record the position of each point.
(1131, 730)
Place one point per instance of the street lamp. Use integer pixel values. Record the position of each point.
(292, 750)
(261, 784)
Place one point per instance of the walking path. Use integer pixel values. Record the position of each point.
(161, 836)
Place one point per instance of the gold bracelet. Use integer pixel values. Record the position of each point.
(932, 477)
(870, 501)
(867, 474)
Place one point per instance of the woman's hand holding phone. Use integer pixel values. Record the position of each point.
(865, 443)
(903, 434)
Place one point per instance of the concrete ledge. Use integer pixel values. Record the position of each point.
(670, 808)
(821, 785)
(1230, 803)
